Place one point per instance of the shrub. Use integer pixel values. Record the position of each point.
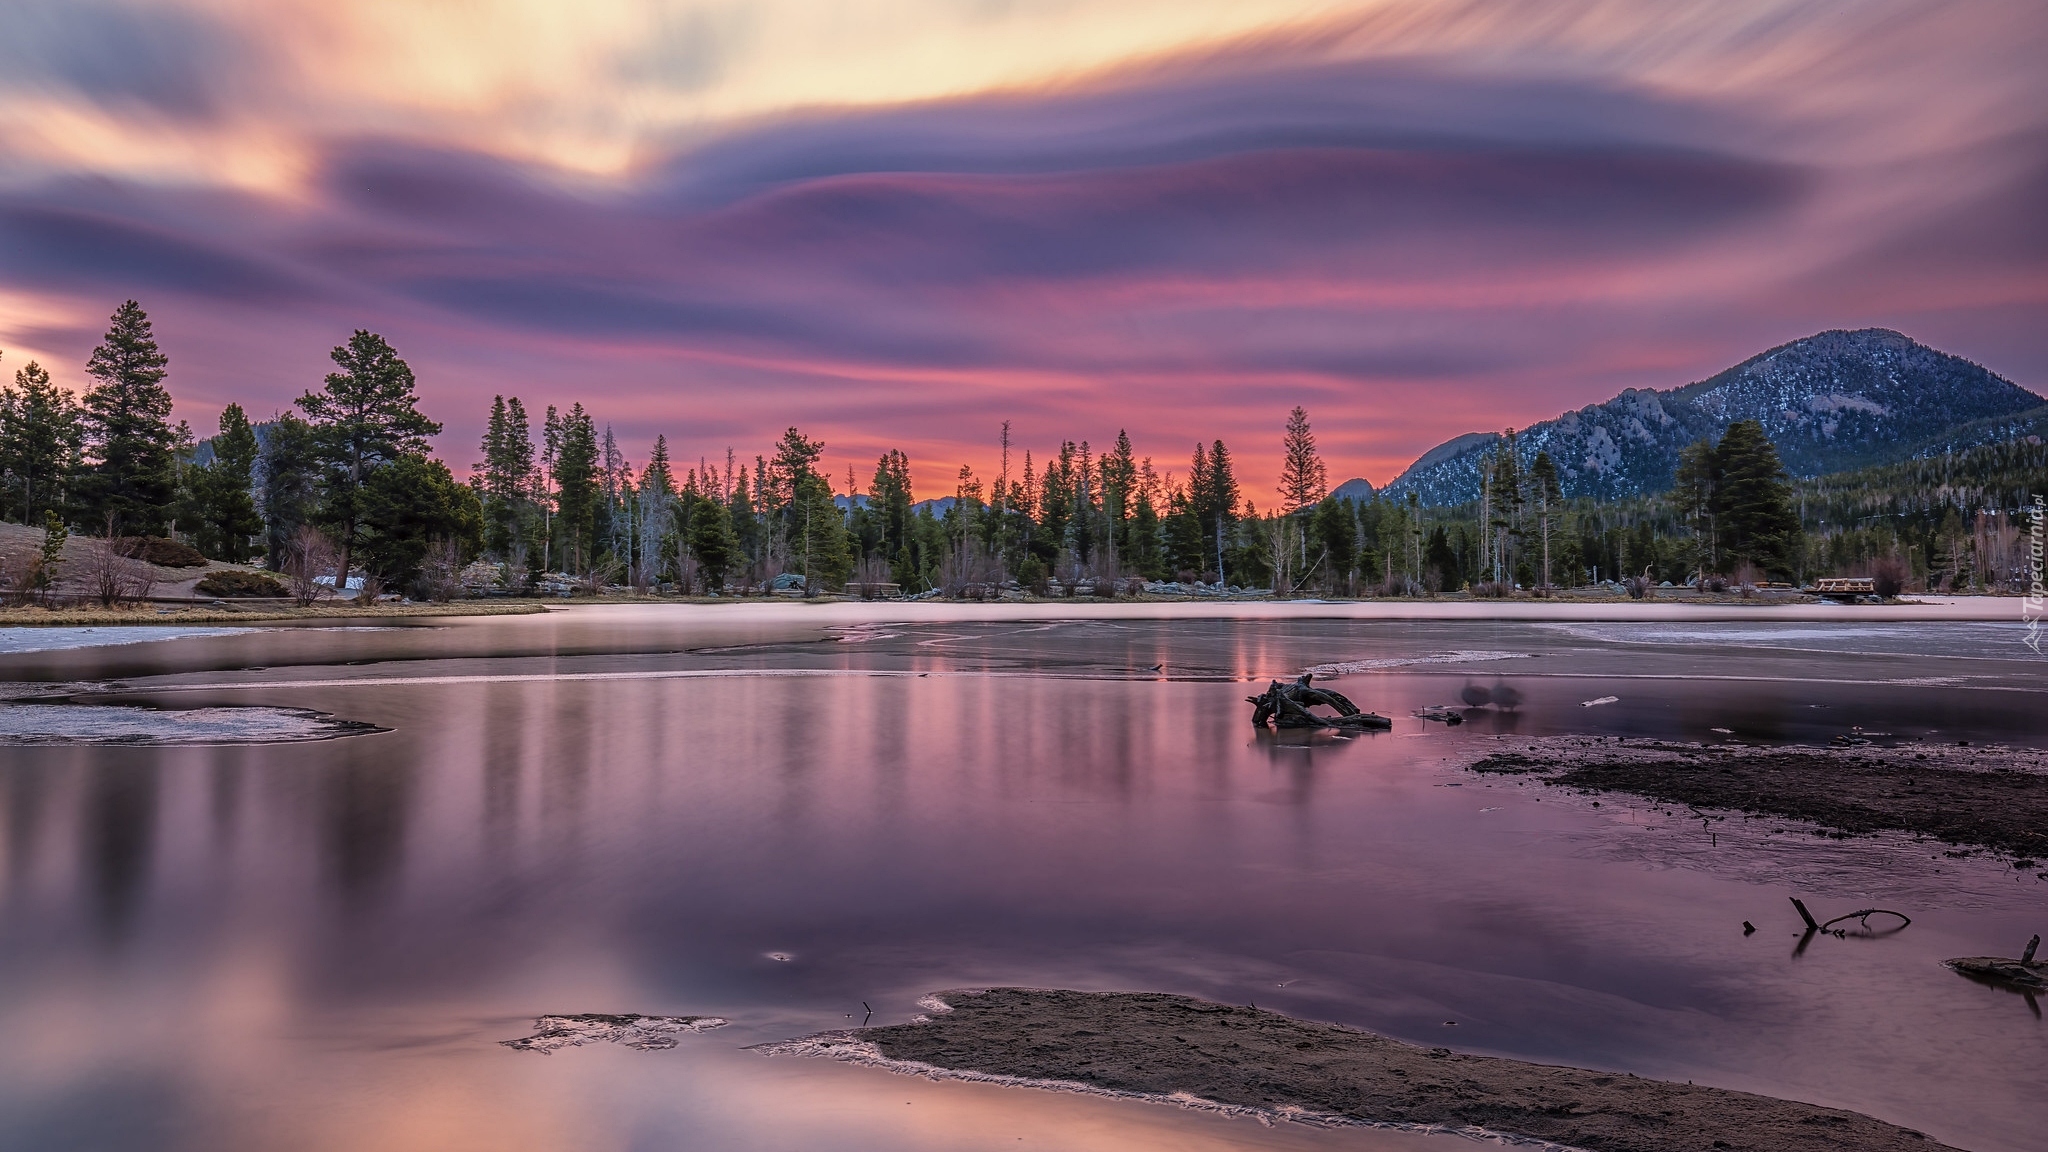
(1888, 577)
(232, 582)
(1638, 587)
(162, 551)
(114, 579)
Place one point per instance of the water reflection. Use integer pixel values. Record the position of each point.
(398, 902)
(120, 812)
(365, 803)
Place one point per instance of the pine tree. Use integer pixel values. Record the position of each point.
(578, 488)
(1503, 501)
(42, 433)
(1303, 479)
(658, 476)
(224, 490)
(290, 468)
(133, 477)
(52, 556)
(505, 477)
(889, 500)
(365, 416)
(1143, 553)
(1696, 488)
(1119, 497)
(1185, 544)
(1547, 494)
(712, 541)
(493, 447)
(1758, 522)
(1217, 500)
(813, 529)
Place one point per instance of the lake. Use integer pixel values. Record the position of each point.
(233, 936)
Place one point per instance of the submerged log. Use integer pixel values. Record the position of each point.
(2022, 973)
(1287, 706)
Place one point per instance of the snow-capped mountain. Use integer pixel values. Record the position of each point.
(1834, 401)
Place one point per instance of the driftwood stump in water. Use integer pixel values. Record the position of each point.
(1287, 706)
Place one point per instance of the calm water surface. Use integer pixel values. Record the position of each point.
(319, 945)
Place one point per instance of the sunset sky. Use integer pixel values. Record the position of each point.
(898, 222)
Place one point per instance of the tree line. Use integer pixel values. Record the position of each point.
(345, 484)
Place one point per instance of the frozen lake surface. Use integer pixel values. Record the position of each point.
(776, 817)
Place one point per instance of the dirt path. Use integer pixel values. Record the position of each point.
(1157, 1045)
(1990, 797)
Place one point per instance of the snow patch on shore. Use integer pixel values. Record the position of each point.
(60, 639)
(1351, 667)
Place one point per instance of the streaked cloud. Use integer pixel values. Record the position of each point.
(900, 223)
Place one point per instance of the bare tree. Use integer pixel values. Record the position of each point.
(440, 577)
(114, 578)
(972, 571)
(869, 577)
(309, 556)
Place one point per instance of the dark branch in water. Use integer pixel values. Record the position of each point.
(1287, 706)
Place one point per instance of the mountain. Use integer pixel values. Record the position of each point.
(1831, 402)
(1357, 488)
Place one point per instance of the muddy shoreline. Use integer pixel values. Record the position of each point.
(1175, 1049)
(1995, 798)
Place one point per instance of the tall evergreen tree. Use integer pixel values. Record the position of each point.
(1696, 490)
(366, 416)
(1119, 496)
(814, 531)
(1501, 502)
(659, 475)
(42, 434)
(133, 477)
(504, 478)
(889, 501)
(224, 500)
(712, 541)
(1304, 480)
(1757, 519)
(1547, 494)
(1216, 501)
(290, 477)
(578, 488)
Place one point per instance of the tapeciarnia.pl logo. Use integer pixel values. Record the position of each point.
(2036, 603)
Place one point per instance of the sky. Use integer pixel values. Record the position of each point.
(898, 223)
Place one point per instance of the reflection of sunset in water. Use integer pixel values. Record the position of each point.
(321, 945)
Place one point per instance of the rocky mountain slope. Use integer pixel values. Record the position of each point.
(1831, 402)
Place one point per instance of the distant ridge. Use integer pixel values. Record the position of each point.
(1356, 488)
(1831, 402)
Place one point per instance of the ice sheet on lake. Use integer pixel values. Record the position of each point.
(1348, 667)
(47, 639)
(1972, 639)
(647, 1033)
(32, 724)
